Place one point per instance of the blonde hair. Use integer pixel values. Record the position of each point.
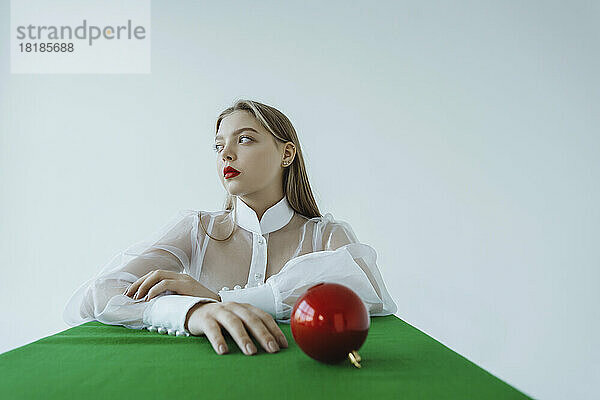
(296, 187)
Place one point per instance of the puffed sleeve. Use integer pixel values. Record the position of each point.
(102, 298)
(343, 259)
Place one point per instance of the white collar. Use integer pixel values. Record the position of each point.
(276, 217)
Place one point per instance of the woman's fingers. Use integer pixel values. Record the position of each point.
(148, 281)
(236, 318)
(146, 285)
(235, 327)
(256, 326)
(166, 284)
(132, 289)
(270, 323)
(212, 330)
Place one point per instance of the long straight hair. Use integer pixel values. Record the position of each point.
(296, 187)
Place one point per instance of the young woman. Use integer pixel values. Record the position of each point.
(270, 244)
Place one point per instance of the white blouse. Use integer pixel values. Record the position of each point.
(268, 263)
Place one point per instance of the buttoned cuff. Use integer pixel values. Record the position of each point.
(167, 314)
(259, 296)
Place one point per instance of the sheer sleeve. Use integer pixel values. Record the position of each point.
(102, 298)
(342, 259)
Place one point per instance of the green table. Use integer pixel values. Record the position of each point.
(97, 361)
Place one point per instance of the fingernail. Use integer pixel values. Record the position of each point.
(273, 347)
(222, 349)
(250, 348)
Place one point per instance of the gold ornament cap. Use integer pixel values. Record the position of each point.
(355, 358)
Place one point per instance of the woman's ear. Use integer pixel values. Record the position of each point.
(289, 152)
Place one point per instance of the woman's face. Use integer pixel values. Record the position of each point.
(242, 143)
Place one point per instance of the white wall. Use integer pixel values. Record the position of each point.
(459, 140)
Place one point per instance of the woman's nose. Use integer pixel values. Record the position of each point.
(227, 154)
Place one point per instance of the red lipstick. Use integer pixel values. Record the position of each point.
(230, 172)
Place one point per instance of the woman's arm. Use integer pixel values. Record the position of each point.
(102, 297)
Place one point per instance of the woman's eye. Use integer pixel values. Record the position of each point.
(216, 146)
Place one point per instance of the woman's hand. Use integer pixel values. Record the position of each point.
(207, 319)
(155, 282)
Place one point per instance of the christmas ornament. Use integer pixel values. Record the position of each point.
(330, 322)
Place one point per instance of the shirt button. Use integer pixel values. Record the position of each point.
(257, 276)
(261, 240)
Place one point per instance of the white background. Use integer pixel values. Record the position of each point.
(459, 140)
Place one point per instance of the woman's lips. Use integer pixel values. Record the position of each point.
(231, 174)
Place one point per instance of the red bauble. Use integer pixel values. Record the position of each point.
(330, 323)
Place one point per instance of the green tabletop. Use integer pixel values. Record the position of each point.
(97, 361)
